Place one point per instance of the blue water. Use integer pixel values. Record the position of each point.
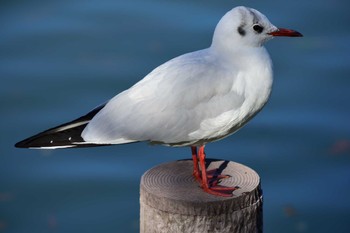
(59, 59)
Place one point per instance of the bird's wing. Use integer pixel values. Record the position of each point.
(188, 94)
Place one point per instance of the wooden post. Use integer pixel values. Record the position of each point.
(172, 201)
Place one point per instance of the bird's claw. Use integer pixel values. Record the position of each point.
(213, 187)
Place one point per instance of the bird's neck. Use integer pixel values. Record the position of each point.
(243, 57)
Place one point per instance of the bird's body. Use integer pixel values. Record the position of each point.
(173, 104)
(191, 100)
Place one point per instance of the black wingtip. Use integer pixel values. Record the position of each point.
(26, 143)
(51, 139)
(21, 144)
(67, 135)
(54, 138)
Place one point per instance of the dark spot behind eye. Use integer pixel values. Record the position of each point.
(240, 30)
(258, 28)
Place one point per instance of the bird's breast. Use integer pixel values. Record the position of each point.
(254, 88)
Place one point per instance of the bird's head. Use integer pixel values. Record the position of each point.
(246, 27)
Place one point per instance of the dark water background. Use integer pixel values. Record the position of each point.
(59, 59)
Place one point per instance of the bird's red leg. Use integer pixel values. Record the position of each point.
(214, 188)
(205, 184)
(211, 175)
(196, 172)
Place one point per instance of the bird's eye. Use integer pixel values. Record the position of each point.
(258, 28)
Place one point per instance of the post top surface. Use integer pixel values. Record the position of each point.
(172, 187)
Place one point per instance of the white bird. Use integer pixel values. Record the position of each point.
(191, 100)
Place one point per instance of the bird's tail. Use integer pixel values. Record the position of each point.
(67, 135)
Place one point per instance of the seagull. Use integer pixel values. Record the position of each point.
(190, 100)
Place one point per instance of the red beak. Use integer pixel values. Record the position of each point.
(285, 32)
